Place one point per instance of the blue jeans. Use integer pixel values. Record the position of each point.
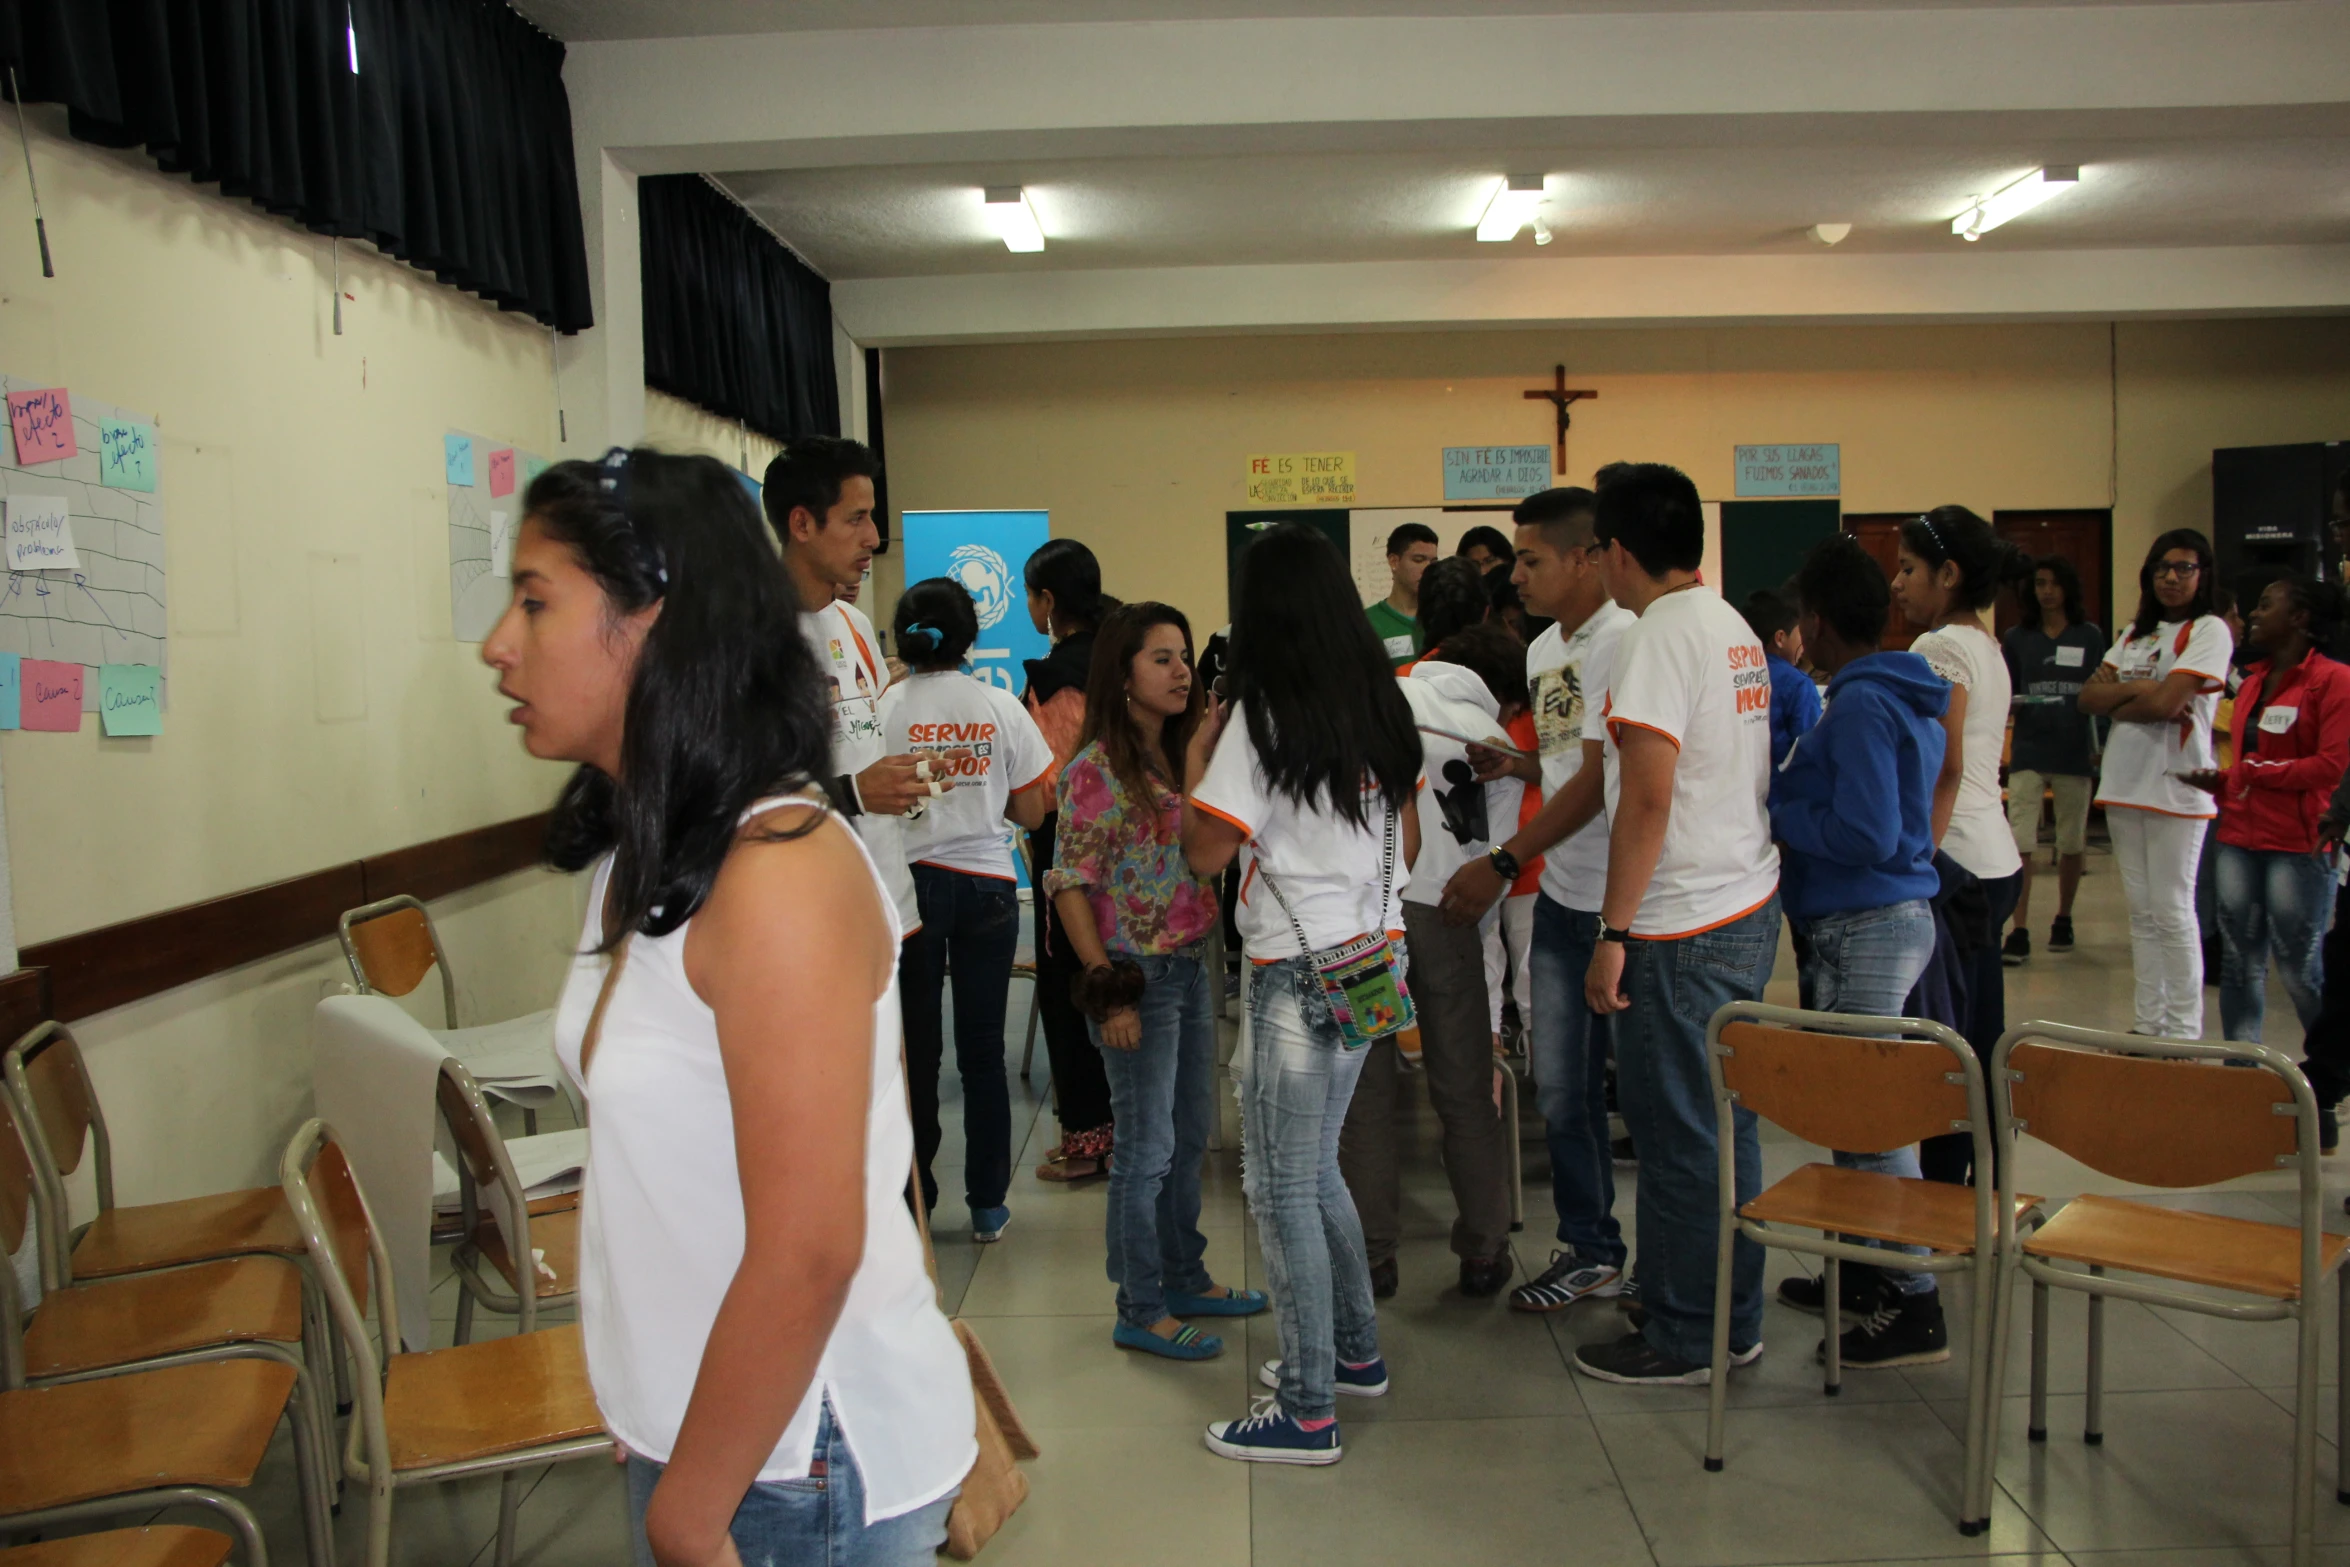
(974, 923)
(1160, 1096)
(2269, 898)
(1568, 1048)
(1867, 961)
(1296, 1081)
(816, 1522)
(1668, 1102)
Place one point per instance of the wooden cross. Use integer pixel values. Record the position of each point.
(1558, 393)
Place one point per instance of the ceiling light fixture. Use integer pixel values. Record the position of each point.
(1988, 212)
(1830, 233)
(1014, 218)
(1510, 208)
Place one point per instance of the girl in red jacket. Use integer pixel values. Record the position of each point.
(2292, 740)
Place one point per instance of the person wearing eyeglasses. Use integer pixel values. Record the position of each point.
(2160, 685)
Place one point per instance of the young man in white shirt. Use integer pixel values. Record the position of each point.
(1690, 918)
(1558, 575)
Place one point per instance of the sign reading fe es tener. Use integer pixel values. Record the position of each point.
(1301, 479)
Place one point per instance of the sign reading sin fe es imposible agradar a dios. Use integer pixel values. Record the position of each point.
(1301, 479)
(1765, 471)
(1495, 473)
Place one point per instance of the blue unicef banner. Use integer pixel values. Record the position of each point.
(984, 551)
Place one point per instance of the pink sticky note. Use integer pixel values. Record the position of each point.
(52, 695)
(502, 473)
(44, 425)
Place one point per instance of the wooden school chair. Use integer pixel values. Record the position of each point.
(157, 1545)
(504, 1237)
(495, 1407)
(2164, 1112)
(1863, 1085)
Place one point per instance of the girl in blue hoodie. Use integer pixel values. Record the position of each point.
(1852, 807)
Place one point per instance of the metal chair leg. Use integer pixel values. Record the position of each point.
(464, 1333)
(1832, 1312)
(2305, 1436)
(1509, 1112)
(2093, 1422)
(1717, 1393)
(2036, 1429)
(2342, 1392)
(509, 1501)
(2001, 1305)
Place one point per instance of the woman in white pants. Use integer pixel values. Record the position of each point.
(2160, 685)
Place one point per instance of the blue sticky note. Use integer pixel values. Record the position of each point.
(130, 699)
(11, 690)
(126, 454)
(459, 456)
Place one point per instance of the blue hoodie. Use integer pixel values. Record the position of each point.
(1854, 803)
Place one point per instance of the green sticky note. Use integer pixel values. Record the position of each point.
(126, 454)
(130, 699)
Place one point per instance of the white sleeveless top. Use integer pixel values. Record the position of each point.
(662, 1234)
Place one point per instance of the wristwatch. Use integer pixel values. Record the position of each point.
(1505, 864)
(1609, 932)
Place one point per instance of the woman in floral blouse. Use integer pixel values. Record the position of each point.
(1139, 921)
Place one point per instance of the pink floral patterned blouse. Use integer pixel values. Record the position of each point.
(1128, 862)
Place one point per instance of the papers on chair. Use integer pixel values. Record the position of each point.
(513, 1060)
(547, 1165)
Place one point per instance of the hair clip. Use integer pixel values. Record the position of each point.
(1933, 532)
(612, 479)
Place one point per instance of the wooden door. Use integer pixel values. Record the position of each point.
(2084, 537)
(1879, 533)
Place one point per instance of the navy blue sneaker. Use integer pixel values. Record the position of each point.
(1354, 1381)
(987, 1224)
(1268, 1436)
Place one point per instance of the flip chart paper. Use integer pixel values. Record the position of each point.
(43, 422)
(502, 543)
(130, 699)
(126, 454)
(457, 454)
(501, 473)
(11, 690)
(52, 696)
(40, 534)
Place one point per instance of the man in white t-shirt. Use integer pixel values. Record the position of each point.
(1558, 575)
(1689, 920)
(819, 498)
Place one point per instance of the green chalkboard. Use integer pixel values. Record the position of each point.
(1764, 541)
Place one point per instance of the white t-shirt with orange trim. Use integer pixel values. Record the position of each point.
(1978, 838)
(963, 830)
(1328, 867)
(2139, 757)
(843, 642)
(1690, 669)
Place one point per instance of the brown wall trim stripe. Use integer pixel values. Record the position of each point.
(78, 976)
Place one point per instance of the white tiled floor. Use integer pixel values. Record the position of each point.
(1490, 1449)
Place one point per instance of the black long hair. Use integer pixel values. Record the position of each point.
(2150, 611)
(935, 623)
(723, 706)
(1953, 533)
(1324, 712)
(1067, 570)
(2068, 582)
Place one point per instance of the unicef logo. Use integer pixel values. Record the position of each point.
(986, 578)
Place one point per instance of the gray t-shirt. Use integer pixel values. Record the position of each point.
(2052, 734)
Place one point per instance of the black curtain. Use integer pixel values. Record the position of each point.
(733, 321)
(450, 148)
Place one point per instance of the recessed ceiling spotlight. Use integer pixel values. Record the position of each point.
(1542, 235)
(1014, 218)
(1830, 233)
(1988, 212)
(1510, 208)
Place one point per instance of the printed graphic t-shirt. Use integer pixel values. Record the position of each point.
(1561, 671)
(843, 642)
(964, 829)
(2140, 757)
(1690, 669)
(2052, 734)
(1978, 837)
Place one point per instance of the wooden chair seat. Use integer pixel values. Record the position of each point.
(449, 1225)
(158, 1545)
(237, 1300)
(166, 1234)
(2193, 1248)
(499, 1396)
(554, 1235)
(202, 1425)
(1882, 1207)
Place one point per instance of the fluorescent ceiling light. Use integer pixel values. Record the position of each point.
(1510, 208)
(1988, 212)
(1014, 219)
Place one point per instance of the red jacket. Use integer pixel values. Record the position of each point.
(2272, 796)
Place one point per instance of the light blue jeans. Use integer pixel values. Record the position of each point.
(1296, 1082)
(1866, 961)
(1159, 1093)
(2270, 899)
(816, 1522)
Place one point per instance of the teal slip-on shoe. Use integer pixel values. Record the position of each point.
(1189, 1343)
(1240, 1303)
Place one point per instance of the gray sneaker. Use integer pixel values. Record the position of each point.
(1568, 1279)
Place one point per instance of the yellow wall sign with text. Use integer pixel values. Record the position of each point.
(1302, 479)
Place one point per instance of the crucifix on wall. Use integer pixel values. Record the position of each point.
(1559, 394)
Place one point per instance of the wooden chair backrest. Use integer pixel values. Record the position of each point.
(336, 1192)
(2152, 1120)
(473, 1141)
(16, 1182)
(395, 950)
(1842, 1091)
(60, 1092)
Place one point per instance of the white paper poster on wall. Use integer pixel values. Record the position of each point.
(486, 483)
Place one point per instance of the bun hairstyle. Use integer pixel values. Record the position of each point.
(1985, 560)
(2323, 603)
(1068, 571)
(935, 624)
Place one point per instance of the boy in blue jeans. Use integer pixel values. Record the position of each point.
(1852, 808)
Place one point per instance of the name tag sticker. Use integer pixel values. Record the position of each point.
(2276, 720)
(2070, 657)
(1399, 647)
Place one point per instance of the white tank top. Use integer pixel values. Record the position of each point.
(662, 1234)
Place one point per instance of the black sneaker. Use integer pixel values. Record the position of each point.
(1385, 1280)
(1905, 1330)
(1568, 1279)
(2060, 933)
(1634, 1362)
(2329, 1130)
(2018, 950)
(1861, 1292)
